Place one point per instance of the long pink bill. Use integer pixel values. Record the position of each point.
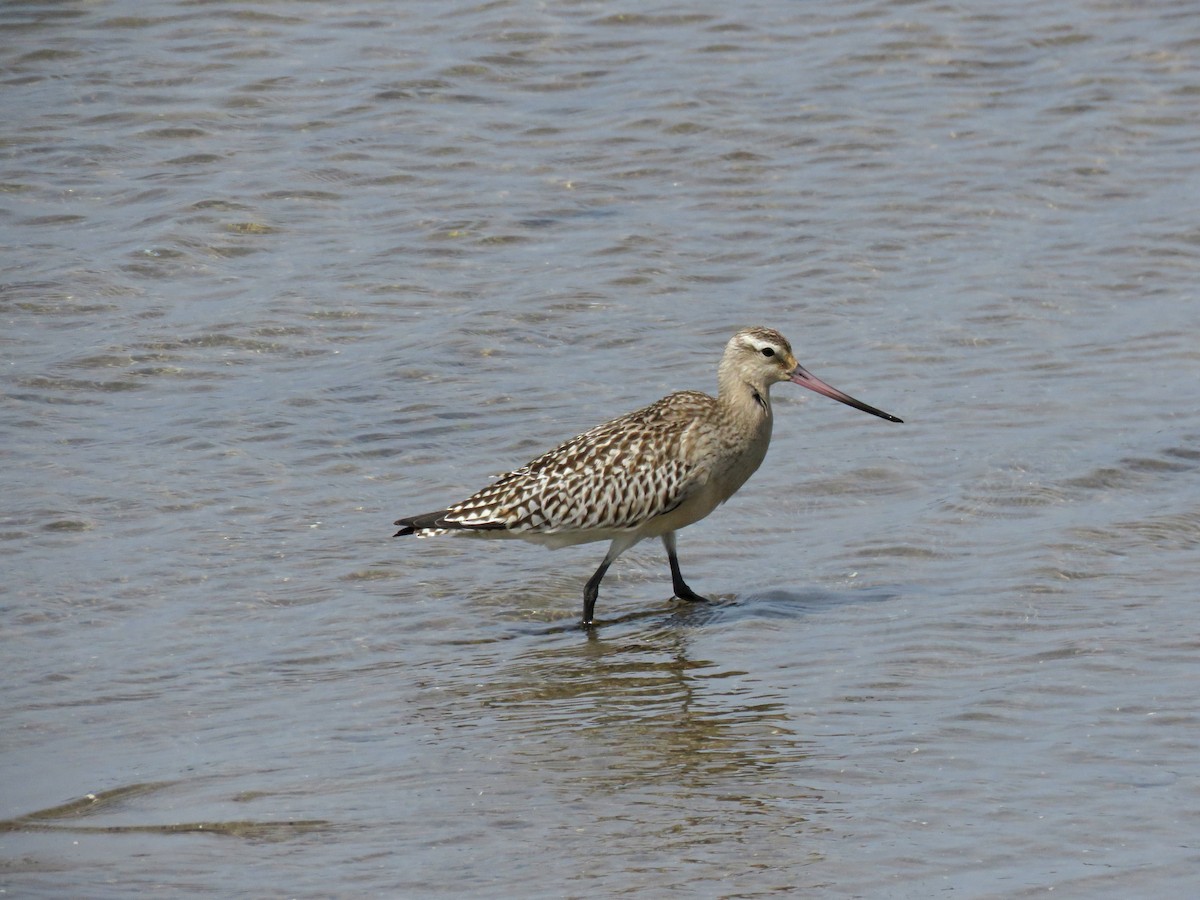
(805, 378)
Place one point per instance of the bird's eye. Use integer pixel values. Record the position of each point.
(768, 351)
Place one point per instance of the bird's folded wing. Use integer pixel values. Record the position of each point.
(617, 476)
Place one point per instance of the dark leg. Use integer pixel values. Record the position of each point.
(682, 591)
(592, 589)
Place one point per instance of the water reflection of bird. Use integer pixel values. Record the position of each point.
(645, 474)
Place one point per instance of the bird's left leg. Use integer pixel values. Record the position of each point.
(682, 591)
(592, 589)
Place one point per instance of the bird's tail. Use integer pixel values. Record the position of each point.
(414, 524)
(438, 523)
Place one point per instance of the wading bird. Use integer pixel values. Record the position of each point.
(645, 474)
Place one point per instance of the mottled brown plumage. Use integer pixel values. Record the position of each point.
(645, 474)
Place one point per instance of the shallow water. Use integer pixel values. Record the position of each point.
(275, 274)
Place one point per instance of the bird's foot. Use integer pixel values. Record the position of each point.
(683, 592)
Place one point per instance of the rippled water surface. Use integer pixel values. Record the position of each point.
(277, 273)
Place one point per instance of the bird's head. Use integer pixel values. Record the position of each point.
(762, 357)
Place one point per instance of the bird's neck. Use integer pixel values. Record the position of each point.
(744, 402)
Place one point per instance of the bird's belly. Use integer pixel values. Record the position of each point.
(691, 510)
(709, 497)
(556, 540)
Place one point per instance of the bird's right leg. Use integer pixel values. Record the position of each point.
(682, 591)
(592, 589)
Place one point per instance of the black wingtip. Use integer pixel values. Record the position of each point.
(413, 524)
(437, 520)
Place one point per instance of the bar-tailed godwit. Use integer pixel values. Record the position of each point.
(645, 474)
